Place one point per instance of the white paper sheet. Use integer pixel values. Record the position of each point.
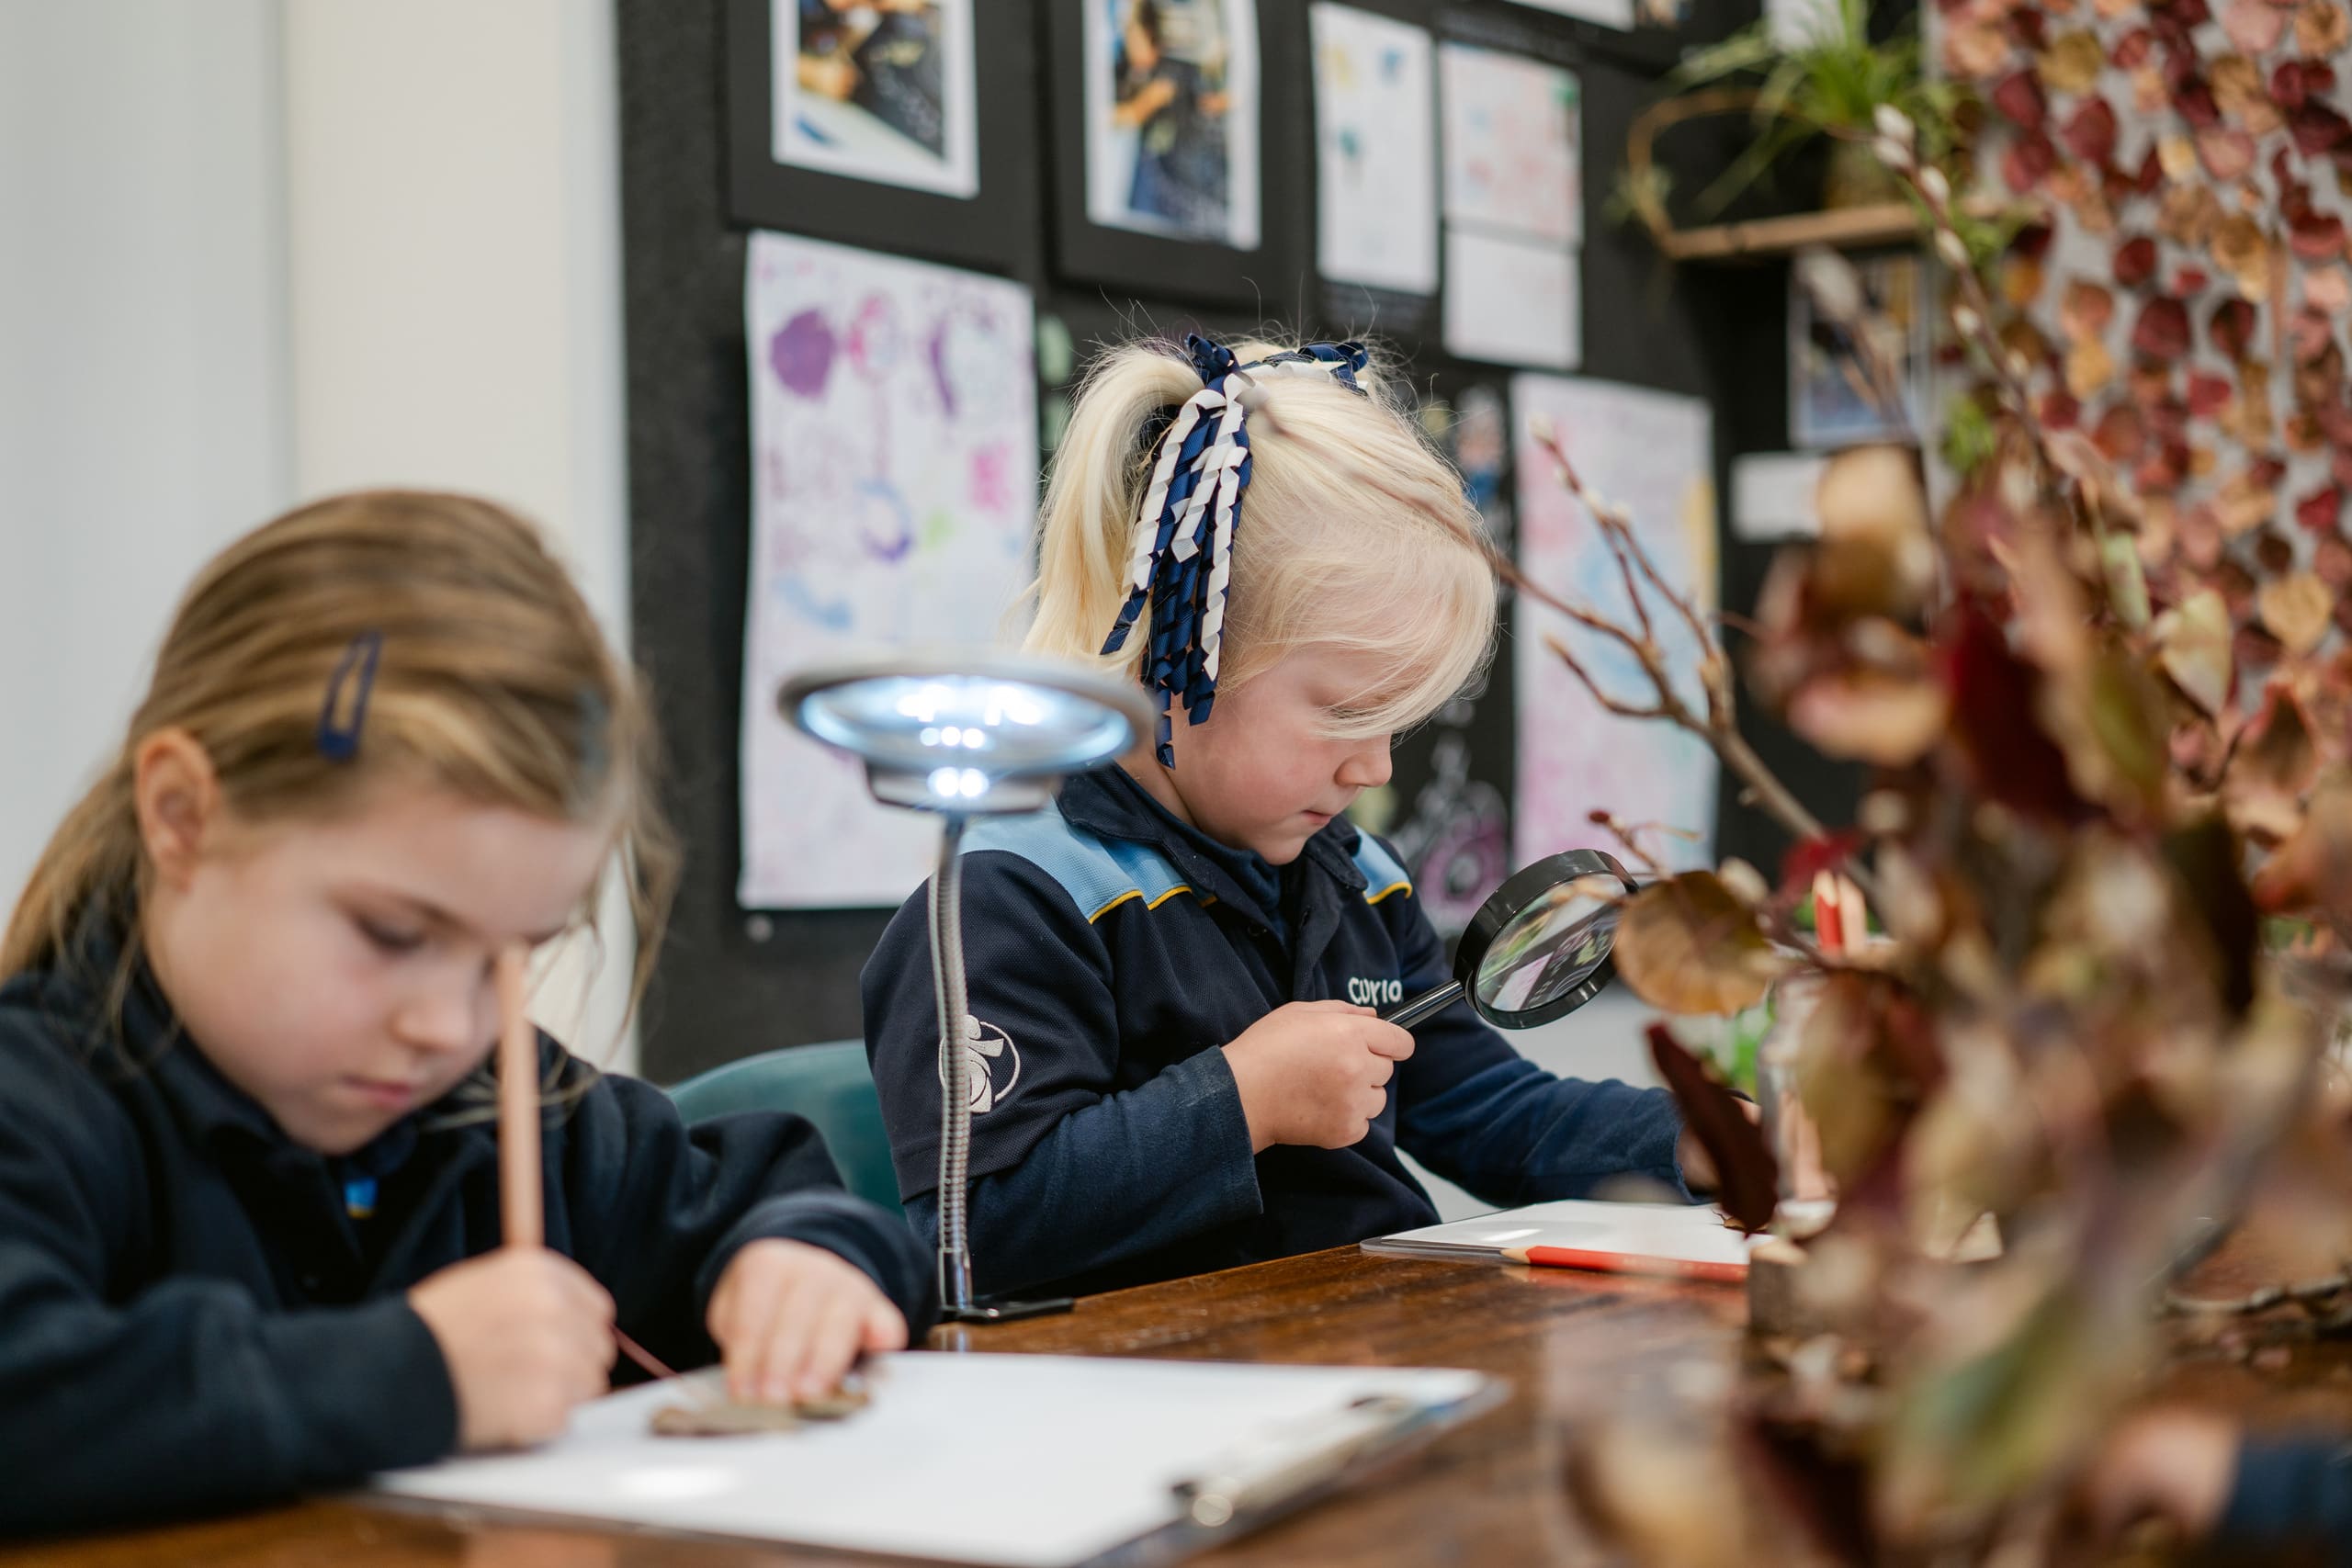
(1513, 154)
(1694, 1232)
(894, 447)
(879, 95)
(1375, 133)
(1616, 13)
(1652, 454)
(1513, 301)
(1773, 495)
(1029, 1460)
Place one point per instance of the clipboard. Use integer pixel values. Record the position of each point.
(1014, 1460)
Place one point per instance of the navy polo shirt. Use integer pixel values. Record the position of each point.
(1109, 956)
(196, 1320)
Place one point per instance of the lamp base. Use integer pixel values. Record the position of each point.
(995, 1309)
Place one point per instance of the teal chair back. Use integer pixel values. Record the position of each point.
(829, 1084)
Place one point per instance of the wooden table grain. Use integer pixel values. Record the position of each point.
(1570, 1346)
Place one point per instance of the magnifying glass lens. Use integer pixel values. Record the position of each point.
(1550, 947)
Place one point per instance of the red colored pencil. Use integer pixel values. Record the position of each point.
(1626, 1263)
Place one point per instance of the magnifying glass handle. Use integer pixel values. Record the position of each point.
(1427, 1005)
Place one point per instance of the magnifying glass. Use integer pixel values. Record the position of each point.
(1538, 948)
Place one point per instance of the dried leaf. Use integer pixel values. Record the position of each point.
(2332, 556)
(2318, 128)
(2237, 91)
(2193, 648)
(2322, 28)
(2252, 26)
(2271, 769)
(2193, 101)
(2243, 251)
(1686, 945)
(2086, 310)
(2026, 161)
(1976, 50)
(2188, 211)
(2021, 280)
(2089, 367)
(2290, 85)
(1991, 689)
(2135, 261)
(2318, 237)
(2313, 870)
(2058, 410)
(2226, 152)
(2177, 155)
(2019, 99)
(2330, 289)
(2089, 131)
(2073, 62)
(2162, 331)
(1747, 1176)
(1870, 716)
(2232, 328)
(2120, 436)
(2296, 611)
(2318, 512)
(2209, 394)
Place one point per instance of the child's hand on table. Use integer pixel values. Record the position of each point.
(2175, 1465)
(1316, 1073)
(790, 1320)
(527, 1334)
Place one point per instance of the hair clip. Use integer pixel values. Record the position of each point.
(345, 711)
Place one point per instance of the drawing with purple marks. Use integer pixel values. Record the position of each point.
(894, 433)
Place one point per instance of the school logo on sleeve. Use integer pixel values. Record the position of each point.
(992, 1064)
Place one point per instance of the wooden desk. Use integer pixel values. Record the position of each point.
(1488, 1494)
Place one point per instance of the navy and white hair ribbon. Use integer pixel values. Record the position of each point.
(1182, 555)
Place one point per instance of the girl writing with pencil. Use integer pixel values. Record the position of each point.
(1177, 1063)
(248, 1183)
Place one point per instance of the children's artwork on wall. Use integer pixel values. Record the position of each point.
(1513, 301)
(1830, 375)
(1514, 208)
(1376, 135)
(1446, 810)
(878, 92)
(894, 447)
(1513, 157)
(1171, 118)
(1651, 454)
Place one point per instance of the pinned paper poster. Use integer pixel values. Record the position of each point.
(1652, 454)
(1376, 135)
(894, 449)
(1171, 118)
(877, 93)
(1513, 301)
(1513, 162)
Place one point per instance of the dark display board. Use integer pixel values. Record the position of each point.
(697, 176)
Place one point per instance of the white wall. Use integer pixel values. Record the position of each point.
(143, 379)
(454, 205)
(252, 251)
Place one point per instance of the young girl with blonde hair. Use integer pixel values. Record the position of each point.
(1174, 1067)
(249, 1205)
